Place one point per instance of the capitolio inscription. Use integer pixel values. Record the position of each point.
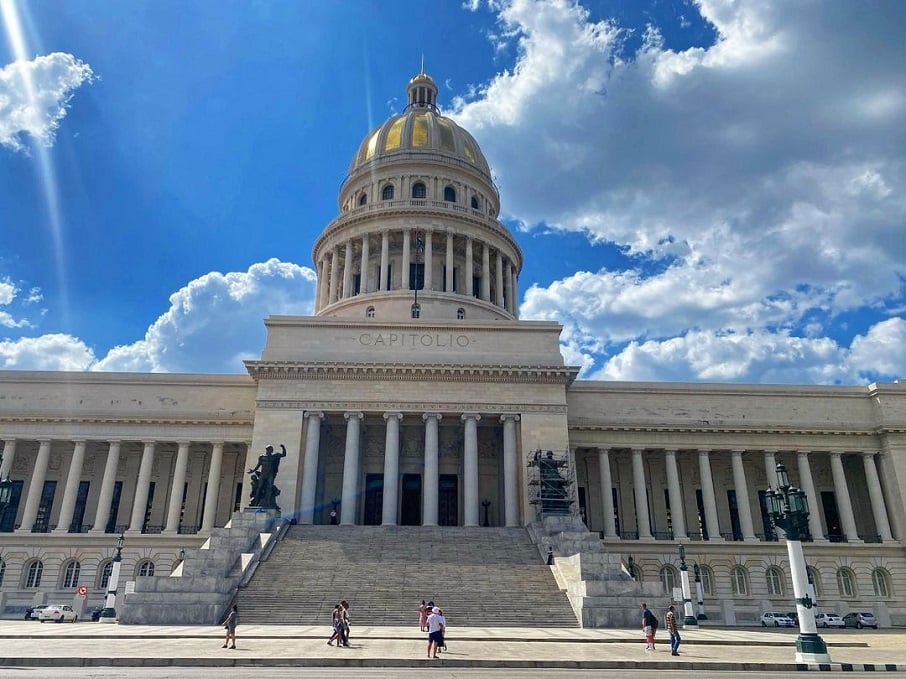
(439, 340)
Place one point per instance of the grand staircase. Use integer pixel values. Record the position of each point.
(482, 577)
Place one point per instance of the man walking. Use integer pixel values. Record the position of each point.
(649, 627)
(674, 631)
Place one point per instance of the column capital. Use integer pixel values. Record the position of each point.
(314, 413)
(670, 451)
(398, 416)
(470, 416)
(835, 454)
(510, 416)
(803, 453)
(868, 453)
(737, 452)
(637, 449)
(704, 452)
(353, 415)
(428, 416)
(115, 442)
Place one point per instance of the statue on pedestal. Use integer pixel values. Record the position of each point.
(263, 491)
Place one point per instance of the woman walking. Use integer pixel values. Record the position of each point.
(229, 624)
(422, 616)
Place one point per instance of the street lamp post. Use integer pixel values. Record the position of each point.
(699, 592)
(788, 508)
(108, 613)
(689, 619)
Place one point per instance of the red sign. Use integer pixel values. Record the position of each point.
(82, 590)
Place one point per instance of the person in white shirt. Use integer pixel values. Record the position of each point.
(436, 625)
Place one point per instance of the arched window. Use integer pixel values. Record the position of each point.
(33, 579)
(449, 194)
(846, 582)
(814, 579)
(363, 199)
(146, 568)
(106, 572)
(369, 312)
(707, 577)
(71, 574)
(668, 579)
(880, 580)
(2, 571)
(419, 191)
(416, 311)
(774, 578)
(474, 203)
(460, 313)
(740, 580)
(387, 193)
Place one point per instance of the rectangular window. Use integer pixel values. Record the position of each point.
(114, 507)
(237, 498)
(356, 284)
(78, 514)
(769, 534)
(734, 514)
(148, 506)
(204, 499)
(44, 508)
(616, 510)
(669, 516)
(8, 517)
(702, 524)
(416, 276)
(476, 286)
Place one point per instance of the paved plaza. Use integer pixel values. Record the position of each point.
(83, 644)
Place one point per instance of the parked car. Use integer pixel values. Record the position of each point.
(794, 616)
(57, 613)
(32, 613)
(829, 620)
(860, 620)
(776, 619)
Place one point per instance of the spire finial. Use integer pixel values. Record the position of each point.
(423, 64)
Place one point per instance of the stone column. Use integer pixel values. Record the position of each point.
(363, 267)
(470, 469)
(514, 290)
(742, 497)
(431, 497)
(808, 485)
(610, 524)
(770, 468)
(510, 471)
(407, 247)
(348, 509)
(391, 469)
(485, 272)
(641, 496)
(429, 260)
(323, 284)
(334, 275)
(675, 492)
(470, 273)
(9, 456)
(384, 283)
(70, 495)
(139, 505)
(448, 274)
(704, 466)
(844, 504)
(174, 509)
(102, 513)
(36, 487)
(310, 466)
(347, 271)
(876, 495)
(213, 492)
(498, 280)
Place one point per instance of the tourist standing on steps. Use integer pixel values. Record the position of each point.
(337, 627)
(422, 616)
(229, 623)
(648, 627)
(435, 632)
(670, 621)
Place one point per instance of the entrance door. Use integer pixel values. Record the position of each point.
(374, 499)
(411, 500)
(448, 500)
(831, 516)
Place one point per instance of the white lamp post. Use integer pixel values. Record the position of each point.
(699, 592)
(108, 614)
(788, 509)
(689, 619)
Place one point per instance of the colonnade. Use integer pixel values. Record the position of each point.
(741, 486)
(431, 466)
(173, 516)
(339, 264)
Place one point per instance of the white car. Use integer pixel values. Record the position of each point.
(829, 620)
(775, 619)
(57, 613)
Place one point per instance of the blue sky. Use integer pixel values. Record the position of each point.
(704, 191)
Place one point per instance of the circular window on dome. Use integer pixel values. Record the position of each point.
(419, 190)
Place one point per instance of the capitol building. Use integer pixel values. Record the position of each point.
(415, 396)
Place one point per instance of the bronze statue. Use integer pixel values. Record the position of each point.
(263, 491)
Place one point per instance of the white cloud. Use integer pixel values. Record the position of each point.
(48, 352)
(34, 96)
(759, 170)
(217, 320)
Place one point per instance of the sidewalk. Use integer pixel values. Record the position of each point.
(95, 645)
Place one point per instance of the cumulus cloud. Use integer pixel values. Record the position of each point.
(55, 351)
(8, 293)
(216, 321)
(755, 175)
(34, 96)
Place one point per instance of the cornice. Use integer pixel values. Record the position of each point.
(130, 420)
(720, 429)
(408, 407)
(394, 372)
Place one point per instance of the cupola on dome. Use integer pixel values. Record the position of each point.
(420, 130)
